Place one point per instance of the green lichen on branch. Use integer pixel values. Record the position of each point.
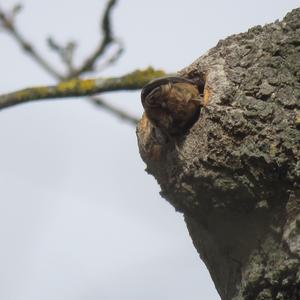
(81, 87)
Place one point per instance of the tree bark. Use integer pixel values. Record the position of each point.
(235, 175)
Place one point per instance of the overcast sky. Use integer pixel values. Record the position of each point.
(79, 217)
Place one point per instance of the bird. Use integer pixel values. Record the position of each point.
(172, 104)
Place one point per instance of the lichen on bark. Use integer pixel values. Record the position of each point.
(236, 174)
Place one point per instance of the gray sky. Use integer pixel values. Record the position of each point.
(79, 217)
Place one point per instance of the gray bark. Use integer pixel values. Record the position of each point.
(235, 175)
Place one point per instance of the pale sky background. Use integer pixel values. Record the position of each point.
(79, 217)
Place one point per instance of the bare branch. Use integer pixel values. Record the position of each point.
(66, 54)
(107, 39)
(67, 51)
(10, 27)
(78, 87)
(114, 110)
(113, 57)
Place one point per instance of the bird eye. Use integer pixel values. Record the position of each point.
(155, 93)
(152, 99)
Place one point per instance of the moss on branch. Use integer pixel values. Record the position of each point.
(81, 87)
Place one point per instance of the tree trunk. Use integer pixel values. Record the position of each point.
(235, 175)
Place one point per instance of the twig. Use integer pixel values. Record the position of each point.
(112, 59)
(107, 39)
(77, 87)
(114, 110)
(7, 23)
(66, 52)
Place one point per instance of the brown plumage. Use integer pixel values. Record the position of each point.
(172, 104)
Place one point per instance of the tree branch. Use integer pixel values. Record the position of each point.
(9, 26)
(114, 110)
(112, 58)
(78, 87)
(107, 39)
